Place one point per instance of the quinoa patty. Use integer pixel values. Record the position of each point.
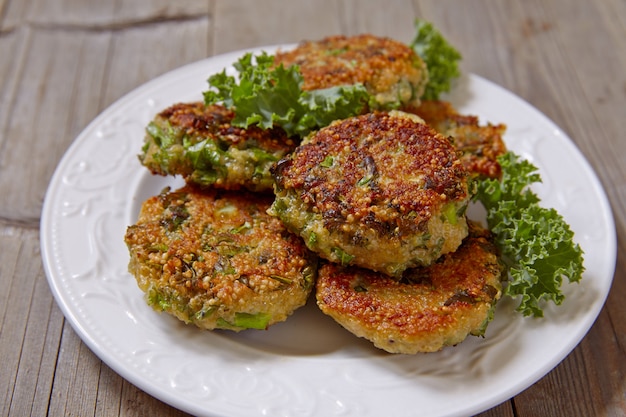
(391, 71)
(216, 259)
(199, 143)
(431, 307)
(382, 191)
(480, 145)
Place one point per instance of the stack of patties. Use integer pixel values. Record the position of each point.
(380, 198)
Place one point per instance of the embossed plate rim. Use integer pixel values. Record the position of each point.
(94, 193)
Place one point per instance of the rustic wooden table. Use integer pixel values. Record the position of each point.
(64, 61)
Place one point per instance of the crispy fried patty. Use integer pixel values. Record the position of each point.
(382, 191)
(429, 308)
(216, 259)
(199, 143)
(480, 145)
(391, 71)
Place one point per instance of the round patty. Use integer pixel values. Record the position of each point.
(216, 259)
(381, 191)
(429, 308)
(199, 143)
(391, 71)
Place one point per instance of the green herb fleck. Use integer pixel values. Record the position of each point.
(245, 226)
(450, 214)
(327, 162)
(258, 321)
(205, 312)
(343, 257)
(280, 279)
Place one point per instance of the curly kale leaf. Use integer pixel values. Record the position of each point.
(268, 96)
(536, 243)
(441, 58)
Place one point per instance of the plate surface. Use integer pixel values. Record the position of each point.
(308, 365)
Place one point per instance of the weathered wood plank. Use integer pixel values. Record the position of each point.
(24, 313)
(597, 104)
(13, 15)
(140, 54)
(472, 29)
(69, 13)
(12, 44)
(591, 88)
(83, 385)
(303, 20)
(37, 363)
(52, 117)
(51, 51)
(271, 22)
(397, 20)
(555, 393)
(51, 341)
(135, 402)
(110, 387)
(161, 10)
(502, 410)
(103, 15)
(38, 118)
(3, 6)
(76, 377)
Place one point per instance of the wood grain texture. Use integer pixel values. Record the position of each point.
(65, 61)
(236, 27)
(31, 324)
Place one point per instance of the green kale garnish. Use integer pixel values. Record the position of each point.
(440, 56)
(536, 243)
(268, 96)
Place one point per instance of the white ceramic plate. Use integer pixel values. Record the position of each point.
(308, 365)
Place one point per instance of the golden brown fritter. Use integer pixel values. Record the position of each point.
(216, 259)
(382, 191)
(199, 143)
(431, 307)
(479, 145)
(391, 71)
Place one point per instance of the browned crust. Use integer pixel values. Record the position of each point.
(199, 121)
(408, 169)
(211, 248)
(376, 62)
(479, 145)
(226, 156)
(431, 307)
